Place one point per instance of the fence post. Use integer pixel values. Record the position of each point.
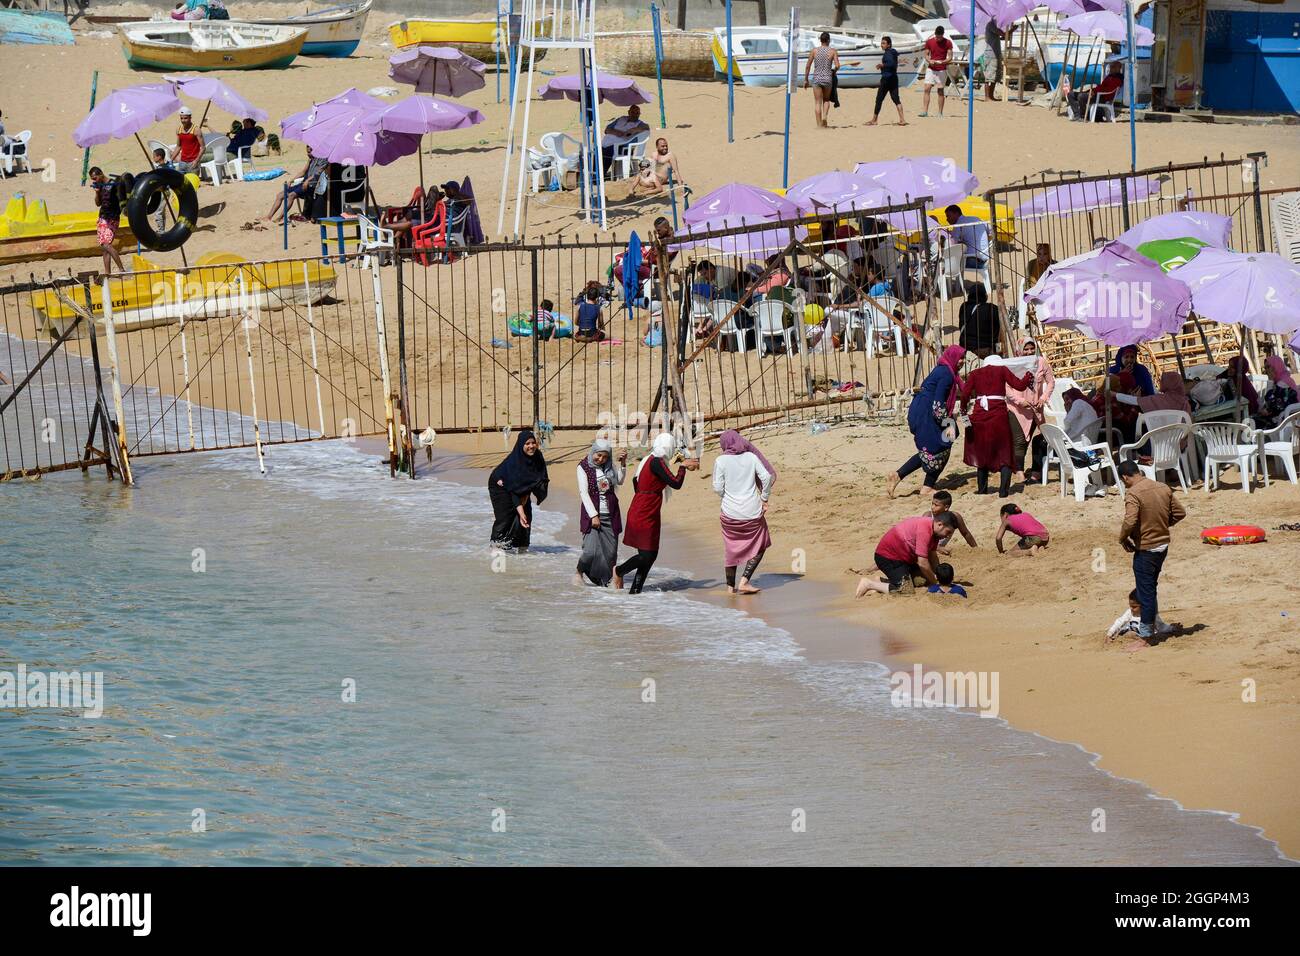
(115, 378)
(408, 446)
(1123, 195)
(996, 274)
(383, 366)
(537, 372)
(1260, 244)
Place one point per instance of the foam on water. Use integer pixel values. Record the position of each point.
(477, 691)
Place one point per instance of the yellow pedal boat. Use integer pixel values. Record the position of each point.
(211, 288)
(28, 233)
(476, 38)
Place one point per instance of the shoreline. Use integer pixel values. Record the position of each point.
(829, 625)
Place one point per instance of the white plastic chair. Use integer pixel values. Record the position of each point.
(218, 144)
(1281, 442)
(15, 153)
(633, 151)
(541, 164)
(726, 323)
(952, 263)
(557, 144)
(880, 324)
(1060, 443)
(1099, 104)
(769, 323)
(1227, 443)
(240, 163)
(1055, 410)
(1166, 450)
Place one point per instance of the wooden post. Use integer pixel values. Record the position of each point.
(382, 339)
(85, 158)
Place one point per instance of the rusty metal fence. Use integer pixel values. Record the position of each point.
(832, 316)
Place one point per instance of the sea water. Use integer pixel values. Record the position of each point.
(325, 665)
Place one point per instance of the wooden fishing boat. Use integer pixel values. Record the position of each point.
(334, 31)
(209, 289)
(476, 38)
(687, 55)
(28, 233)
(759, 55)
(185, 45)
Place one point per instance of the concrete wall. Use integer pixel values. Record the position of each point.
(700, 14)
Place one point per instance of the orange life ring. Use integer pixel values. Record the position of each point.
(1233, 534)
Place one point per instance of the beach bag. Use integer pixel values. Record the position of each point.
(655, 339)
(1083, 459)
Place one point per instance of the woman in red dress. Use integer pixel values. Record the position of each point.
(651, 483)
(988, 440)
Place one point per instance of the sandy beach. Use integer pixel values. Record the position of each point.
(1171, 716)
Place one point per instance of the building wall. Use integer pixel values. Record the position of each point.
(1252, 56)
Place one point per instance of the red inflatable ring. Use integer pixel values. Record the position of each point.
(1233, 534)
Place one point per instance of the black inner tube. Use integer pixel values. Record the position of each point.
(146, 194)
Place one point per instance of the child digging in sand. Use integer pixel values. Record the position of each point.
(939, 503)
(944, 573)
(1129, 622)
(1033, 536)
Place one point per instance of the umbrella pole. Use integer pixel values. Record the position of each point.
(204, 118)
(1105, 386)
(1178, 356)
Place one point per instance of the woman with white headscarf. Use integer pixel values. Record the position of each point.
(599, 519)
(652, 482)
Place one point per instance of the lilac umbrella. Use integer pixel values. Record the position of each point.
(1002, 12)
(1259, 290)
(1070, 8)
(217, 94)
(437, 69)
(1113, 294)
(835, 190)
(1209, 227)
(353, 138)
(417, 115)
(740, 199)
(619, 90)
(758, 244)
(347, 102)
(125, 112)
(1080, 197)
(1107, 26)
(911, 178)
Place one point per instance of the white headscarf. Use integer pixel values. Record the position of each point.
(663, 447)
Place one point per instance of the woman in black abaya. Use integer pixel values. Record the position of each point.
(512, 486)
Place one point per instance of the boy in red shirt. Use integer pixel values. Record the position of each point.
(938, 54)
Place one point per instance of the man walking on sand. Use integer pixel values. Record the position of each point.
(1150, 510)
(938, 54)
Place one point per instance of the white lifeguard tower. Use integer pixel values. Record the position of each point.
(558, 24)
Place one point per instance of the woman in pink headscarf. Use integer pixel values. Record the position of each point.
(931, 420)
(743, 477)
(1280, 394)
(1172, 396)
(1025, 411)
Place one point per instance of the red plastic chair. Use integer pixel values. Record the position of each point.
(432, 235)
(393, 213)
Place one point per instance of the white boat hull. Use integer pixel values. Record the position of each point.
(334, 32)
(860, 55)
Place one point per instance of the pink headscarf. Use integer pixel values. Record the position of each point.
(733, 443)
(1280, 373)
(1172, 396)
(952, 357)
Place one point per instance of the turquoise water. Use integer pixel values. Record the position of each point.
(477, 691)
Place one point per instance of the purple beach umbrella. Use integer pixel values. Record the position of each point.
(1002, 12)
(1080, 197)
(835, 190)
(756, 245)
(1107, 26)
(349, 101)
(619, 90)
(440, 70)
(911, 178)
(1259, 290)
(741, 199)
(1113, 294)
(125, 112)
(1071, 8)
(217, 94)
(424, 114)
(1210, 228)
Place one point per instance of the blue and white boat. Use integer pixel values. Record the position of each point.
(333, 32)
(759, 55)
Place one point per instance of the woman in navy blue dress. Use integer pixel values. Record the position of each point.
(929, 416)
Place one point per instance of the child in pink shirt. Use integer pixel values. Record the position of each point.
(1033, 536)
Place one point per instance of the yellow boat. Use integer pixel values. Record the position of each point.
(476, 38)
(184, 45)
(28, 233)
(210, 289)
